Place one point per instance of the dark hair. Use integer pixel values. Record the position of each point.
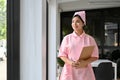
(78, 17)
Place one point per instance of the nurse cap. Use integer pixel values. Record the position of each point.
(82, 15)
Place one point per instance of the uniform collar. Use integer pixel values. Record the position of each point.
(82, 35)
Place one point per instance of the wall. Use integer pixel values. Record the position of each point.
(33, 40)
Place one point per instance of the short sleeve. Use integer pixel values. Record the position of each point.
(63, 50)
(95, 52)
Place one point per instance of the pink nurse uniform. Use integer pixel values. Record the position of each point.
(71, 47)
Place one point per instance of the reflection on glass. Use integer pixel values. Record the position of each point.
(110, 34)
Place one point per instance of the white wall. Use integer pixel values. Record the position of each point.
(33, 40)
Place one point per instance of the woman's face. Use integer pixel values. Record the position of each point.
(77, 24)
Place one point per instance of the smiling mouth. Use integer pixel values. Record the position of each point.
(76, 26)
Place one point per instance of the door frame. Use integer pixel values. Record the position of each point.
(13, 39)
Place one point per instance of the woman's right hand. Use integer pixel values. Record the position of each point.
(79, 64)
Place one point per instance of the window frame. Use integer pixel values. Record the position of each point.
(13, 39)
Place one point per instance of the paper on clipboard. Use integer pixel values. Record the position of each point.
(86, 52)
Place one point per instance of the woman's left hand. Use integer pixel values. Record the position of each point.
(80, 64)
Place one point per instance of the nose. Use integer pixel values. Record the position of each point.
(75, 23)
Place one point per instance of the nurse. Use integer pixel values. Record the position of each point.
(71, 47)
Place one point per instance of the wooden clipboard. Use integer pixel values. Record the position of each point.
(86, 52)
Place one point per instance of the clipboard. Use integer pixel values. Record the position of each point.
(86, 52)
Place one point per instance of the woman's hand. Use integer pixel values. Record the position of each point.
(83, 63)
(80, 64)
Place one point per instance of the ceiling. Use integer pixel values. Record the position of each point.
(73, 5)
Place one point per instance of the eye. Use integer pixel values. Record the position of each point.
(77, 21)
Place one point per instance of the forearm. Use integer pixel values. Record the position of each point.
(66, 60)
(84, 63)
(91, 59)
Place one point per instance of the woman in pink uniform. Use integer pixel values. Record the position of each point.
(71, 47)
